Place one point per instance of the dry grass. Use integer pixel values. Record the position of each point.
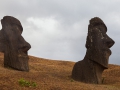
(54, 75)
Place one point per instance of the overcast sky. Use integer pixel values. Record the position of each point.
(57, 29)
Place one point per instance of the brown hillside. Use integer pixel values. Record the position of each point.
(54, 75)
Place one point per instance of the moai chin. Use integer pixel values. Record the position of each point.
(90, 69)
(13, 45)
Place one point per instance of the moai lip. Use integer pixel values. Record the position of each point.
(98, 44)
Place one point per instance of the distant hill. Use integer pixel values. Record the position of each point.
(54, 75)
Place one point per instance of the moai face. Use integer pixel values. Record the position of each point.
(98, 42)
(13, 45)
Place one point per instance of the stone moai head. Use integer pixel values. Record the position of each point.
(98, 42)
(13, 45)
(90, 69)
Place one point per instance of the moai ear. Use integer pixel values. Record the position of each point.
(2, 42)
(11, 47)
(89, 39)
(88, 42)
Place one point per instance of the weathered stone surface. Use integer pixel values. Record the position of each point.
(90, 69)
(13, 45)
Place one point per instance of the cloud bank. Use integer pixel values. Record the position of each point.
(57, 29)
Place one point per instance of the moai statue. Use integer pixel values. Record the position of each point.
(13, 45)
(90, 69)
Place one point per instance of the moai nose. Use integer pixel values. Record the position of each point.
(110, 43)
(25, 47)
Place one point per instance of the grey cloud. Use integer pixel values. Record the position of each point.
(67, 40)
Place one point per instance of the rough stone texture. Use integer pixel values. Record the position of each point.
(13, 45)
(90, 69)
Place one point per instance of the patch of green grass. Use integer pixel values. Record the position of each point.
(25, 83)
(103, 79)
(72, 80)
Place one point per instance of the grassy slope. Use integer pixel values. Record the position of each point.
(54, 75)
